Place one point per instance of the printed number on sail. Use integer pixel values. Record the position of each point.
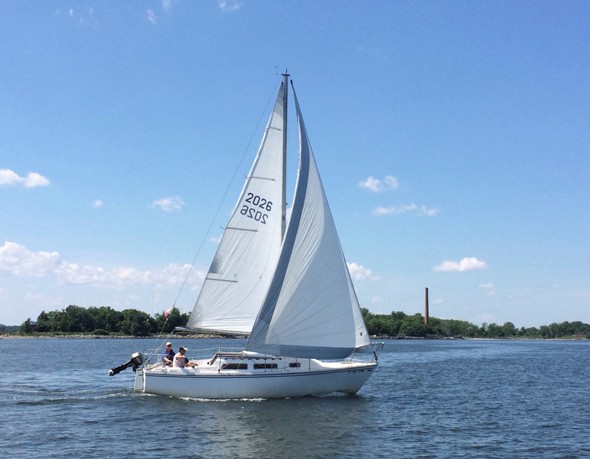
(256, 203)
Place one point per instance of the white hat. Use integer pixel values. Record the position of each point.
(168, 343)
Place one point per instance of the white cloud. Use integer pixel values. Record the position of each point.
(466, 264)
(39, 298)
(97, 203)
(8, 177)
(406, 208)
(378, 301)
(359, 272)
(424, 211)
(18, 261)
(167, 5)
(489, 288)
(228, 6)
(32, 180)
(376, 185)
(395, 210)
(391, 182)
(151, 16)
(85, 18)
(169, 204)
(171, 275)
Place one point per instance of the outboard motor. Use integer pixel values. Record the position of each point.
(135, 361)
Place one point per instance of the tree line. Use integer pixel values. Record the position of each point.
(106, 321)
(399, 324)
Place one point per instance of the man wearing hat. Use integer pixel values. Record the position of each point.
(181, 360)
(168, 354)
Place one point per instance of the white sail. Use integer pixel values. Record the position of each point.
(247, 255)
(311, 309)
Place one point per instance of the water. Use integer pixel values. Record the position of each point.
(427, 399)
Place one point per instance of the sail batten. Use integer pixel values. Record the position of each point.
(220, 280)
(262, 178)
(233, 228)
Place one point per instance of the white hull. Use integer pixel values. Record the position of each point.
(212, 381)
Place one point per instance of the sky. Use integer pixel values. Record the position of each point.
(453, 139)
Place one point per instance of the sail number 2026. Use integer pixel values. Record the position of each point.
(256, 208)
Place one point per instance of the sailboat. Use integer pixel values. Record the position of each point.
(284, 284)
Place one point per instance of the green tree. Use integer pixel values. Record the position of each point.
(174, 319)
(494, 331)
(136, 323)
(398, 315)
(43, 322)
(80, 319)
(545, 332)
(26, 327)
(508, 329)
(414, 326)
(107, 318)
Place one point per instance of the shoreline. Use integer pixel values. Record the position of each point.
(208, 336)
(91, 336)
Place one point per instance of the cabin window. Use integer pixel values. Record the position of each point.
(295, 365)
(234, 366)
(265, 366)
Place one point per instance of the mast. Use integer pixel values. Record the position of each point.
(284, 199)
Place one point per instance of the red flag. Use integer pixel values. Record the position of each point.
(167, 313)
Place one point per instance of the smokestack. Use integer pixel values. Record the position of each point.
(426, 306)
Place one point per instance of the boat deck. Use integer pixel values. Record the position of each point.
(241, 363)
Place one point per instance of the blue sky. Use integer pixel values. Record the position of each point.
(453, 139)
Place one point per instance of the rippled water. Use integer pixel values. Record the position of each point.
(427, 399)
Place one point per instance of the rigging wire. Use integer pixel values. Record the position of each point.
(225, 194)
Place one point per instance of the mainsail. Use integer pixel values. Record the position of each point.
(311, 309)
(246, 258)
